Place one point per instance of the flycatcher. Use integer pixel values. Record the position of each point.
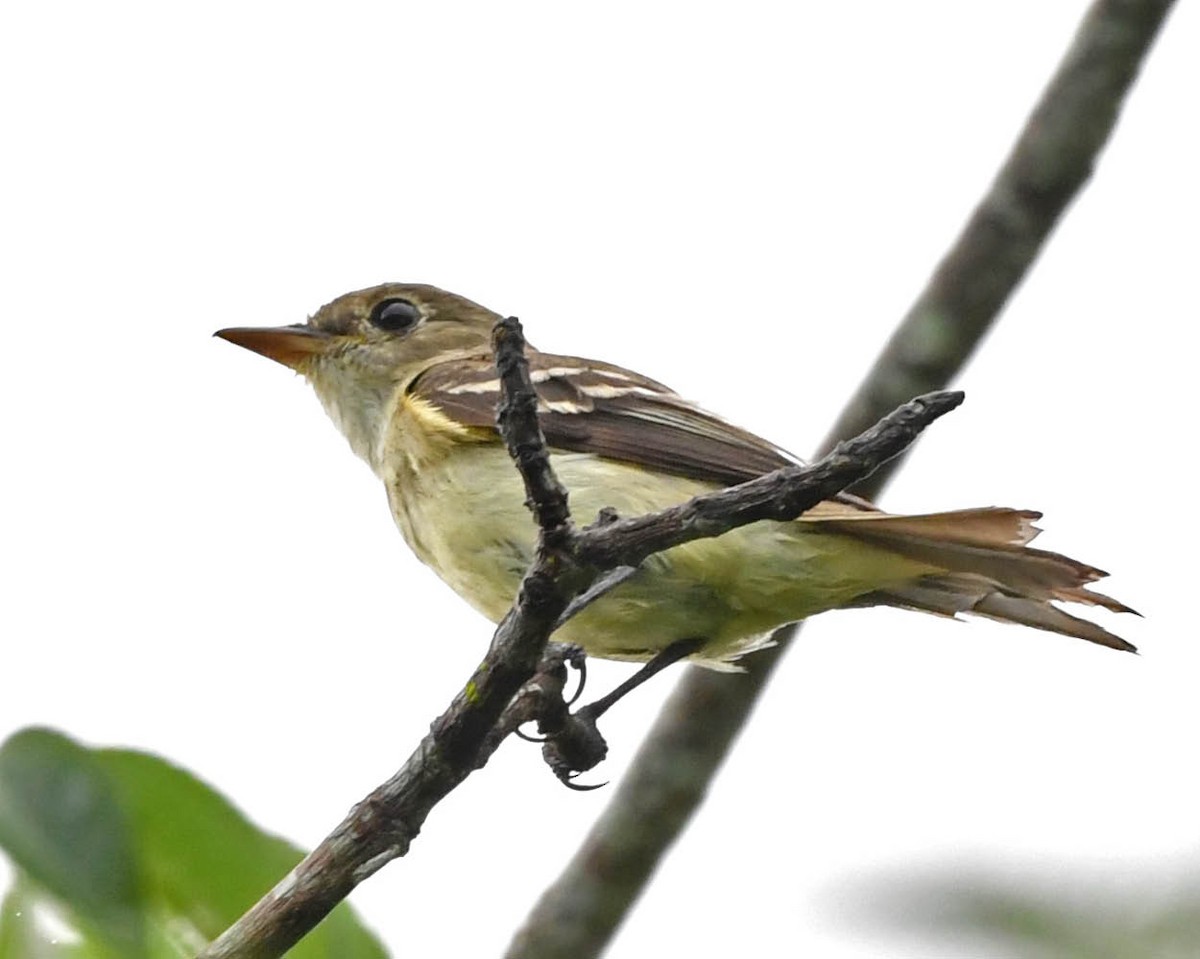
(406, 373)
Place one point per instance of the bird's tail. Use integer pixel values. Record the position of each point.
(985, 567)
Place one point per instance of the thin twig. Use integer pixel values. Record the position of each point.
(382, 826)
(781, 495)
(668, 779)
(518, 422)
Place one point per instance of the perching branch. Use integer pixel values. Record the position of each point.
(382, 826)
(1050, 162)
(782, 495)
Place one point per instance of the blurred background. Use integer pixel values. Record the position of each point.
(740, 203)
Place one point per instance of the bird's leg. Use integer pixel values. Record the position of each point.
(680, 649)
(555, 660)
(576, 744)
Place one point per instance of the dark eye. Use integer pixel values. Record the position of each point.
(394, 316)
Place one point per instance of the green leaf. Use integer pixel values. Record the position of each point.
(32, 927)
(141, 859)
(207, 863)
(62, 824)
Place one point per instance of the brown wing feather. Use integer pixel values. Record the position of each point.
(986, 566)
(592, 407)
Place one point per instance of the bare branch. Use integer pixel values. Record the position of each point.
(518, 423)
(782, 495)
(382, 826)
(1052, 159)
(1049, 164)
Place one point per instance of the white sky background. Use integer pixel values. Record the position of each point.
(738, 203)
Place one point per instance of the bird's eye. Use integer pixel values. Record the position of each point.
(394, 316)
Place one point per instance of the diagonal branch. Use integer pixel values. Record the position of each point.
(1050, 162)
(782, 495)
(382, 826)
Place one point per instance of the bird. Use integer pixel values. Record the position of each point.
(406, 373)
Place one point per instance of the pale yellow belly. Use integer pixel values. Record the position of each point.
(466, 519)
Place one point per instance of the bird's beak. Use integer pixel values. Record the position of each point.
(289, 345)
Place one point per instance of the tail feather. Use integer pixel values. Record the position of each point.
(987, 569)
(953, 595)
(986, 526)
(1040, 615)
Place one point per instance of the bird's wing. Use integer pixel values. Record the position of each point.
(591, 407)
(978, 560)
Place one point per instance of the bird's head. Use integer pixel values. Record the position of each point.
(359, 349)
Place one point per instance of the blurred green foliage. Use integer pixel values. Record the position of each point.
(120, 855)
(1033, 919)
